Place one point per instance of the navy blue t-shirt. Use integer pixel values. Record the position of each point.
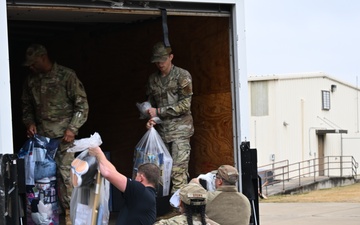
(139, 206)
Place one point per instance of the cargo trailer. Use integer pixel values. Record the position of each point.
(108, 43)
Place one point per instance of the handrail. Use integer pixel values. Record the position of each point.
(328, 166)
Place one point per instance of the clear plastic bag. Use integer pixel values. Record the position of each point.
(90, 196)
(143, 108)
(83, 203)
(151, 149)
(84, 166)
(38, 153)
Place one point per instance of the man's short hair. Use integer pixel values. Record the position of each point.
(151, 171)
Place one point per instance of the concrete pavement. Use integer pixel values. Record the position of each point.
(303, 214)
(309, 213)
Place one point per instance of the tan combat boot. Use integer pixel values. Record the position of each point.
(67, 217)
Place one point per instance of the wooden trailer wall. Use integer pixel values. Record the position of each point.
(113, 62)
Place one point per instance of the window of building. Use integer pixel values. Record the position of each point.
(259, 98)
(325, 100)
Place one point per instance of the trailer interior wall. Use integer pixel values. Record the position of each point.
(113, 62)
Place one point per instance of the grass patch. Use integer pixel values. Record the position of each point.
(349, 193)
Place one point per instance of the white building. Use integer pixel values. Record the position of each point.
(306, 116)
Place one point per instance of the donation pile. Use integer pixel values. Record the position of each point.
(42, 206)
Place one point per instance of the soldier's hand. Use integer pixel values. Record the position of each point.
(150, 124)
(69, 136)
(31, 130)
(152, 112)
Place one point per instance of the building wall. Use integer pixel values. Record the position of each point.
(288, 131)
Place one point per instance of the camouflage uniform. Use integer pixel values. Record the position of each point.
(54, 102)
(193, 195)
(181, 220)
(172, 95)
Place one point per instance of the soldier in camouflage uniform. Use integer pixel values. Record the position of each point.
(55, 106)
(192, 207)
(170, 92)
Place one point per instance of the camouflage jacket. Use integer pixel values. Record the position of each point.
(172, 95)
(54, 102)
(182, 220)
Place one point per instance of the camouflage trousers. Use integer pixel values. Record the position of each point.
(63, 166)
(180, 152)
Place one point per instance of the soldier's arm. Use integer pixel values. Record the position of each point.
(81, 108)
(108, 170)
(28, 111)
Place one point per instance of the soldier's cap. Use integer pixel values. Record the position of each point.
(228, 173)
(160, 53)
(32, 52)
(193, 194)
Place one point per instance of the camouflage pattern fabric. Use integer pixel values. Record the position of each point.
(63, 161)
(181, 220)
(54, 102)
(180, 152)
(172, 95)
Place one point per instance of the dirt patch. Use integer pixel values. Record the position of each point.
(350, 193)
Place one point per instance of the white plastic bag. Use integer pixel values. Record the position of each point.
(151, 149)
(85, 143)
(144, 108)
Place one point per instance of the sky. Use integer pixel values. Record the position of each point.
(295, 36)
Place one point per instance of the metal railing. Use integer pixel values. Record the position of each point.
(329, 166)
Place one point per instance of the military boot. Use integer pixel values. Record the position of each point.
(67, 217)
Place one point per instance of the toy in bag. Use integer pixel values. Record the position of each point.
(151, 149)
(38, 153)
(83, 170)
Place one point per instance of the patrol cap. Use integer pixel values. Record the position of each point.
(160, 53)
(33, 51)
(228, 173)
(193, 194)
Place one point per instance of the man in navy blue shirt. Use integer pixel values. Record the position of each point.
(139, 196)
